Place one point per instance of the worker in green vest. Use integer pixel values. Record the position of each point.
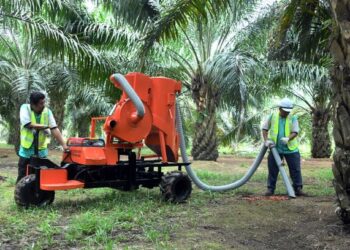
(283, 128)
(36, 117)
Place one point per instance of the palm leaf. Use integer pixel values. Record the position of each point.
(178, 16)
(230, 72)
(138, 14)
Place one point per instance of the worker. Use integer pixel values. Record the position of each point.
(36, 117)
(282, 129)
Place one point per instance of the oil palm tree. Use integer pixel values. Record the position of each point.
(53, 46)
(236, 128)
(336, 25)
(23, 70)
(341, 96)
(64, 30)
(20, 73)
(303, 31)
(311, 85)
(217, 72)
(176, 15)
(300, 46)
(83, 104)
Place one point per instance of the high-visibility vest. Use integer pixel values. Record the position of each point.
(27, 136)
(273, 131)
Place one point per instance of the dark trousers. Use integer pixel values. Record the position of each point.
(293, 161)
(22, 167)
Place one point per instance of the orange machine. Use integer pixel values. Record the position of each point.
(144, 115)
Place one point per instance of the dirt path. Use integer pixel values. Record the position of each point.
(239, 223)
(235, 223)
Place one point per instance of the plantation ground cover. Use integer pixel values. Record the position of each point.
(240, 219)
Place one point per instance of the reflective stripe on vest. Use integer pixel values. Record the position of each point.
(27, 136)
(273, 132)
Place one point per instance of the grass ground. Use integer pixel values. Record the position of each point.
(239, 219)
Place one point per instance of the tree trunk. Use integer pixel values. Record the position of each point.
(340, 48)
(14, 129)
(58, 112)
(83, 127)
(321, 142)
(14, 135)
(57, 108)
(205, 142)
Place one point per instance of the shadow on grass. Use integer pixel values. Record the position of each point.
(105, 199)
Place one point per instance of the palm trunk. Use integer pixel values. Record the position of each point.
(340, 48)
(321, 142)
(14, 135)
(14, 129)
(58, 112)
(57, 108)
(83, 127)
(205, 142)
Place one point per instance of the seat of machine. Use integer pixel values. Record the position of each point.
(70, 184)
(85, 142)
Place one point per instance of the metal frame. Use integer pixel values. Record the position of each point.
(133, 171)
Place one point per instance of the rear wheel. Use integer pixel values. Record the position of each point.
(343, 215)
(175, 187)
(27, 195)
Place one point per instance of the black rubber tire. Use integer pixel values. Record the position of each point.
(343, 215)
(26, 195)
(175, 187)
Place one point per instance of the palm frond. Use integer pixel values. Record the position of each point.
(303, 32)
(287, 19)
(296, 71)
(178, 16)
(85, 103)
(231, 72)
(59, 11)
(53, 41)
(236, 127)
(309, 83)
(102, 35)
(137, 14)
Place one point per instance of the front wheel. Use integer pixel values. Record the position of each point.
(175, 187)
(26, 193)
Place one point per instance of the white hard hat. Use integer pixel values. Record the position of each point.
(286, 104)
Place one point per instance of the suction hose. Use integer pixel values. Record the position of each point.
(239, 182)
(140, 113)
(285, 178)
(131, 94)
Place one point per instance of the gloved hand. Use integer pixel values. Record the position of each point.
(268, 143)
(284, 140)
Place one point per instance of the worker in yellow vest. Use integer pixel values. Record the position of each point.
(283, 128)
(36, 117)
